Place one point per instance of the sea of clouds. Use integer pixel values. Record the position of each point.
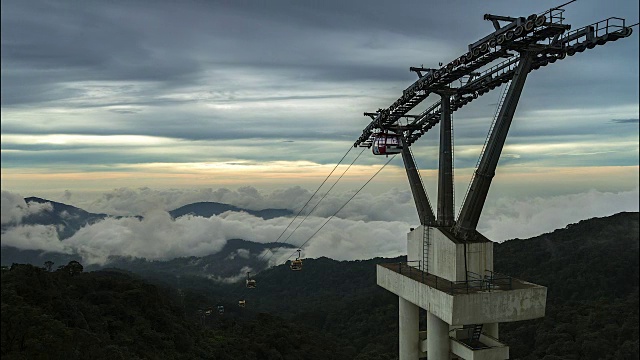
(371, 225)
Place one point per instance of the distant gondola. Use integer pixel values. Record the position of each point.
(296, 265)
(251, 283)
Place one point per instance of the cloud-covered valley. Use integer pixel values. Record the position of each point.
(370, 225)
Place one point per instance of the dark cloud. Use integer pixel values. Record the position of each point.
(625, 121)
(278, 80)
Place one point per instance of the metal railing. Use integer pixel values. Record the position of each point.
(475, 282)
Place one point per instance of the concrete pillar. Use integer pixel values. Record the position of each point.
(437, 338)
(408, 329)
(491, 330)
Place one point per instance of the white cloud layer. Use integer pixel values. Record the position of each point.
(371, 226)
(509, 218)
(35, 237)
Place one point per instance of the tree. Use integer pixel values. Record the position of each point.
(74, 267)
(48, 264)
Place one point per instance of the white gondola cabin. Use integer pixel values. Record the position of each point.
(386, 144)
(241, 303)
(220, 309)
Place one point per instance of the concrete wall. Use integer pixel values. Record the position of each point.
(479, 259)
(443, 252)
(446, 258)
(414, 245)
(499, 306)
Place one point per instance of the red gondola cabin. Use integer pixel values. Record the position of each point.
(386, 144)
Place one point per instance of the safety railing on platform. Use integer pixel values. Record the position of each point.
(475, 282)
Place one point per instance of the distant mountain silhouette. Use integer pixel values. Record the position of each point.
(208, 209)
(69, 219)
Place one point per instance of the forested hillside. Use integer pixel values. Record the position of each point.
(112, 315)
(330, 308)
(591, 270)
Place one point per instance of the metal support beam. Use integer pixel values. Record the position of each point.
(425, 212)
(445, 169)
(472, 207)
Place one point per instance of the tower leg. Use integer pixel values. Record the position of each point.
(409, 331)
(437, 338)
(445, 167)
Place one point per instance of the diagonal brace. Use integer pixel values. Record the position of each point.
(474, 202)
(425, 212)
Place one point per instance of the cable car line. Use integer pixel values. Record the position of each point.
(241, 299)
(337, 211)
(314, 194)
(253, 283)
(325, 195)
(345, 204)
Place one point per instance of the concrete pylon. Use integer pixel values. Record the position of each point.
(408, 330)
(437, 338)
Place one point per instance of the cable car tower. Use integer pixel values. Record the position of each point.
(449, 268)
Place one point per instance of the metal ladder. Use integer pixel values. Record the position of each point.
(426, 243)
(477, 330)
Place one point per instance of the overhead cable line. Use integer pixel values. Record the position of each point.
(329, 219)
(308, 201)
(325, 195)
(345, 204)
(314, 194)
(316, 205)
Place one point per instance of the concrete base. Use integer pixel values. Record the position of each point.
(492, 350)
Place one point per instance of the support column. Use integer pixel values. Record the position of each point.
(491, 330)
(437, 338)
(445, 164)
(408, 330)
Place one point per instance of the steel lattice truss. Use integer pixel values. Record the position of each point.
(546, 34)
(517, 47)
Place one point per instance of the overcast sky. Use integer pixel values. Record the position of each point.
(197, 95)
